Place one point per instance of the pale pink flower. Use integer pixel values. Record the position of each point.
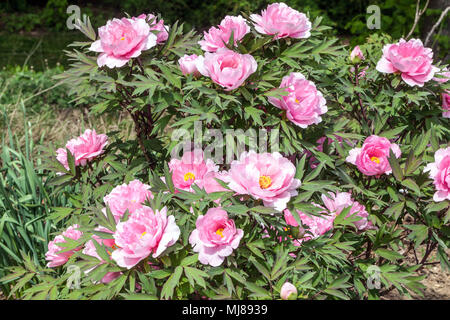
(210, 183)
(335, 203)
(317, 225)
(227, 68)
(84, 148)
(446, 104)
(163, 29)
(266, 176)
(356, 55)
(190, 169)
(411, 59)
(145, 232)
(445, 73)
(188, 65)
(216, 38)
(127, 197)
(282, 21)
(121, 40)
(304, 104)
(54, 254)
(215, 237)
(439, 171)
(372, 158)
(288, 291)
(91, 250)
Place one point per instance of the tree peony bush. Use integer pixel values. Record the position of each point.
(276, 164)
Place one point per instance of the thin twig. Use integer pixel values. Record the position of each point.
(443, 14)
(419, 13)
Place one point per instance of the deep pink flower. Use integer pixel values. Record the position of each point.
(215, 237)
(266, 176)
(372, 158)
(144, 232)
(411, 59)
(127, 197)
(190, 169)
(304, 104)
(227, 68)
(188, 65)
(439, 171)
(53, 255)
(282, 21)
(121, 40)
(90, 250)
(446, 104)
(288, 291)
(356, 55)
(84, 148)
(216, 38)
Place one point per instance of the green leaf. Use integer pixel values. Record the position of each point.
(171, 283)
(389, 254)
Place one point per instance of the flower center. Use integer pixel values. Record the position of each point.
(219, 232)
(297, 101)
(123, 38)
(375, 159)
(189, 176)
(143, 234)
(265, 182)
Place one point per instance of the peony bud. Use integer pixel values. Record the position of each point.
(288, 291)
(356, 56)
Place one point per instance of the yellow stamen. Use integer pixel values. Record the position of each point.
(375, 159)
(123, 38)
(265, 182)
(296, 100)
(219, 232)
(188, 176)
(143, 234)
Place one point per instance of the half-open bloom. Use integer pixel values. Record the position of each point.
(409, 58)
(282, 21)
(266, 176)
(54, 254)
(288, 291)
(129, 197)
(145, 232)
(304, 104)
(215, 237)
(446, 104)
(216, 38)
(439, 171)
(84, 148)
(227, 68)
(121, 40)
(188, 65)
(372, 158)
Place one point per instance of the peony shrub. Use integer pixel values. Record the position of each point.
(269, 162)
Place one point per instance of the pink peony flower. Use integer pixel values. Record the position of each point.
(335, 203)
(53, 255)
(304, 104)
(446, 104)
(317, 225)
(188, 64)
(288, 291)
(191, 168)
(445, 76)
(121, 40)
(127, 197)
(90, 250)
(411, 59)
(216, 38)
(215, 237)
(356, 55)
(210, 183)
(163, 29)
(227, 68)
(439, 171)
(282, 21)
(266, 176)
(144, 232)
(84, 148)
(372, 158)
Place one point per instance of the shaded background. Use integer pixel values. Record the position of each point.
(34, 32)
